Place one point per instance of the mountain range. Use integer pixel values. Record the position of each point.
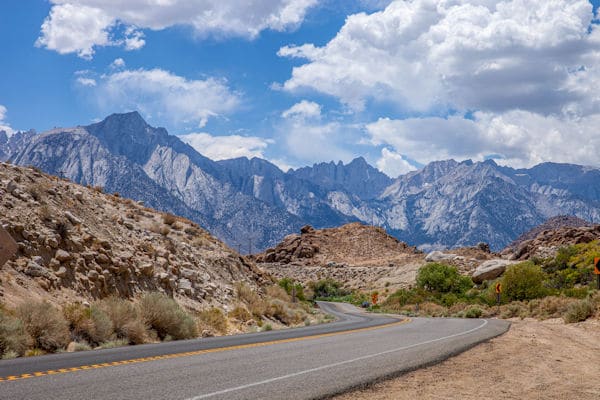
(251, 204)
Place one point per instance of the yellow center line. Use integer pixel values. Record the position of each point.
(191, 353)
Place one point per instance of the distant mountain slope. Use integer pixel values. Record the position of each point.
(251, 204)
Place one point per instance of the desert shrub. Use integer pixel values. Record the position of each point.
(280, 310)
(163, 315)
(400, 298)
(441, 278)
(89, 324)
(524, 281)
(13, 337)
(514, 309)
(256, 305)
(579, 311)
(111, 344)
(45, 213)
(169, 219)
(474, 312)
(80, 346)
(432, 310)
(277, 292)
(549, 307)
(125, 318)
(577, 292)
(45, 325)
(268, 327)
(213, 319)
(240, 313)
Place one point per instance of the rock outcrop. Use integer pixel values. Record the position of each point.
(77, 243)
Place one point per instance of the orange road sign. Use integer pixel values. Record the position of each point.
(498, 288)
(374, 298)
(597, 265)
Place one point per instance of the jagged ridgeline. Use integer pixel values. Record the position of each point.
(252, 204)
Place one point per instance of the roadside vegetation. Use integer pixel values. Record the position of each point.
(559, 287)
(36, 328)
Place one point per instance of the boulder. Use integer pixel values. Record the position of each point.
(62, 255)
(36, 270)
(490, 269)
(436, 256)
(61, 273)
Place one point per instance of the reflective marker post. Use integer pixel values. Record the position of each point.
(597, 270)
(498, 292)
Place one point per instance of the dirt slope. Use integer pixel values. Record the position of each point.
(76, 243)
(534, 360)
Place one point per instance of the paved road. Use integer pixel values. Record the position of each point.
(303, 363)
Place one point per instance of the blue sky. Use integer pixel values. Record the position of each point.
(303, 81)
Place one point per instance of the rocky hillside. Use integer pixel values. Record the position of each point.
(561, 221)
(77, 243)
(357, 255)
(547, 242)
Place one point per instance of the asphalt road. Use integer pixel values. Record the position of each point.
(303, 363)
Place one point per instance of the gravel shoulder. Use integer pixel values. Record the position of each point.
(533, 360)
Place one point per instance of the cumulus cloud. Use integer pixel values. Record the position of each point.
(4, 126)
(161, 95)
(521, 138)
(423, 55)
(79, 26)
(117, 63)
(226, 147)
(83, 81)
(303, 109)
(393, 164)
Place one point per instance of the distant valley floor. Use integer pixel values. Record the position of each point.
(533, 360)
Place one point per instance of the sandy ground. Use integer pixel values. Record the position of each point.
(534, 360)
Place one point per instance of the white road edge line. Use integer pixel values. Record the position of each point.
(307, 371)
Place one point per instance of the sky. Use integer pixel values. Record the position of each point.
(401, 83)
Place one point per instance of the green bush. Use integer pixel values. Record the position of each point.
(14, 340)
(327, 288)
(288, 284)
(45, 324)
(163, 315)
(578, 311)
(402, 297)
(524, 281)
(441, 278)
(474, 312)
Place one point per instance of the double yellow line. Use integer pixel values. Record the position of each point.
(189, 353)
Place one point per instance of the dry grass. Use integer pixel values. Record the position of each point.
(45, 324)
(212, 320)
(169, 219)
(240, 313)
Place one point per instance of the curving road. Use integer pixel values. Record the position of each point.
(302, 363)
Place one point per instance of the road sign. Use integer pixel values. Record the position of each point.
(597, 265)
(8, 246)
(374, 298)
(498, 288)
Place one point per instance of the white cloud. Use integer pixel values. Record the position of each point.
(226, 147)
(303, 109)
(4, 126)
(79, 26)
(522, 138)
(161, 95)
(77, 29)
(86, 81)
(429, 55)
(393, 164)
(117, 63)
